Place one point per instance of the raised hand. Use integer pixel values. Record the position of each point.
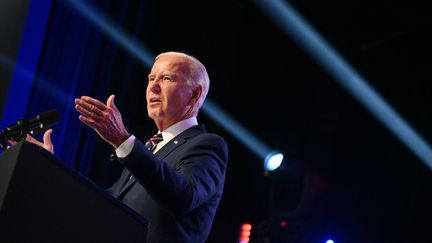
(105, 119)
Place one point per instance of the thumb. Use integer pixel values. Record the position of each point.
(47, 137)
(110, 102)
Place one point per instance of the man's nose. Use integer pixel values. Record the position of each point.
(154, 86)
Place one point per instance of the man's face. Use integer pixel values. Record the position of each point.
(168, 94)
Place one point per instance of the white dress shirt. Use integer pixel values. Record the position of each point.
(126, 147)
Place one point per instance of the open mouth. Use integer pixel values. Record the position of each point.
(155, 100)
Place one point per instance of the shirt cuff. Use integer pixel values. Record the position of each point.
(125, 148)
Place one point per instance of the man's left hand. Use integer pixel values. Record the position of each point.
(46, 144)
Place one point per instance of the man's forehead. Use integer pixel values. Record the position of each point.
(174, 66)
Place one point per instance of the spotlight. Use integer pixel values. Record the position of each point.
(273, 160)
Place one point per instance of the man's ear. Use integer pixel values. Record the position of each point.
(196, 93)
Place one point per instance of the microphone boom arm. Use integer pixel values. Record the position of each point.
(19, 131)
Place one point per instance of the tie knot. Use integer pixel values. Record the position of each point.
(156, 139)
(153, 141)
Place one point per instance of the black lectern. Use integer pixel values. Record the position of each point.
(42, 200)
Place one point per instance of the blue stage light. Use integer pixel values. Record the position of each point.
(273, 160)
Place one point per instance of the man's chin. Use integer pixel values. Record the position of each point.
(154, 114)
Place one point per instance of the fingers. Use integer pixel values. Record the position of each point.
(110, 102)
(94, 102)
(47, 137)
(88, 121)
(47, 144)
(86, 112)
(31, 139)
(90, 107)
(92, 111)
(12, 142)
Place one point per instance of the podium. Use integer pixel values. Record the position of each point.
(43, 200)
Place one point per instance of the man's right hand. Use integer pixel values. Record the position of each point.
(105, 119)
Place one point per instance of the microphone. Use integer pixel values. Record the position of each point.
(18, 131)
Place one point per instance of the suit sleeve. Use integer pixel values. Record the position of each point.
(196, 175)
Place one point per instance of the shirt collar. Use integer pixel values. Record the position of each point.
(176, 129)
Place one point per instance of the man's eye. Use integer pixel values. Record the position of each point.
(167, 78)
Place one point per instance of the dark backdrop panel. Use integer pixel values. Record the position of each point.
(12, 19)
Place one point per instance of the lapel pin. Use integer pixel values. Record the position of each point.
(175, 142)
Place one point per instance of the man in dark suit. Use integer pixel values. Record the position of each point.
(178, 183)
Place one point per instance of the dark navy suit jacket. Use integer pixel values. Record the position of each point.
(178, 188)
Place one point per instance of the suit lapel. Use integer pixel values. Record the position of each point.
(179, 140)
(165, 151)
